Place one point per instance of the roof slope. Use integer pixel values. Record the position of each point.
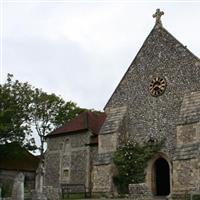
(85, 121)
(15, 157)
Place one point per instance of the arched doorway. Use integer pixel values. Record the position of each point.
(162, 177)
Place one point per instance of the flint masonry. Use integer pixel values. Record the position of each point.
(158, 95)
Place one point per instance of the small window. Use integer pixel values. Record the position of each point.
(66, 173)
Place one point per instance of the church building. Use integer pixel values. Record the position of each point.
(159, 96)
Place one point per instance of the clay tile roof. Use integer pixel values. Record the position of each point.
(85, 121)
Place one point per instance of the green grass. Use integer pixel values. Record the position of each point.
(74, 196)
(196, 197)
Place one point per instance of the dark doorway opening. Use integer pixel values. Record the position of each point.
(162, 177)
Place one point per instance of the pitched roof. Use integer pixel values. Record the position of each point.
(85, 121)
(15, 157)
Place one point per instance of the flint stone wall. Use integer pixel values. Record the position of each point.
(52, 169)
(52, 193)
(68, 160)
(79, 167)
(140, 192)
(102, 180)
(160, 56)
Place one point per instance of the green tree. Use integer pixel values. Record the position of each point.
(15, 119)
(67, 111)
(24, 108)
(131, 160)
(50, 111)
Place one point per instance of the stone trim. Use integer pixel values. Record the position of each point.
(113, 120)
(187, 151)
(103, 159)
(150, 173)
(188, 119)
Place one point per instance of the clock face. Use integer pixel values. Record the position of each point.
(157, 86)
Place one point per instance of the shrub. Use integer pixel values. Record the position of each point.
(131, 160)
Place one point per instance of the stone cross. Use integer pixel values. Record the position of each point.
(158, 16)
(18, 187)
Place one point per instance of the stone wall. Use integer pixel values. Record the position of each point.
(186, 160)
(109, 139)
(52, 193)
(160, 56)
(78, 167)
(187, 134)
(52, 162)
(108, 143)
(186, 173)
(148, 116)
(101, 178)
(52, 169)
(68, 160)
(140, 191)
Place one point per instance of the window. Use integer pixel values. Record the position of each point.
(65, 173)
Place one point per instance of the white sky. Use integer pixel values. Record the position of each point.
(81, 49)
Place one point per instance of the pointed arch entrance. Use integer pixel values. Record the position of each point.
(162, 177)
(158, 176)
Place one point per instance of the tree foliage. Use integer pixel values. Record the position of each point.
(15, 120)
(24, 108)
(50, 111)
(131, 160)
(67, 111)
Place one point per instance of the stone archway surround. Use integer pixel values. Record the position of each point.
(150, 172)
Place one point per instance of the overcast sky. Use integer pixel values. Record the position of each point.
(81, 49)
